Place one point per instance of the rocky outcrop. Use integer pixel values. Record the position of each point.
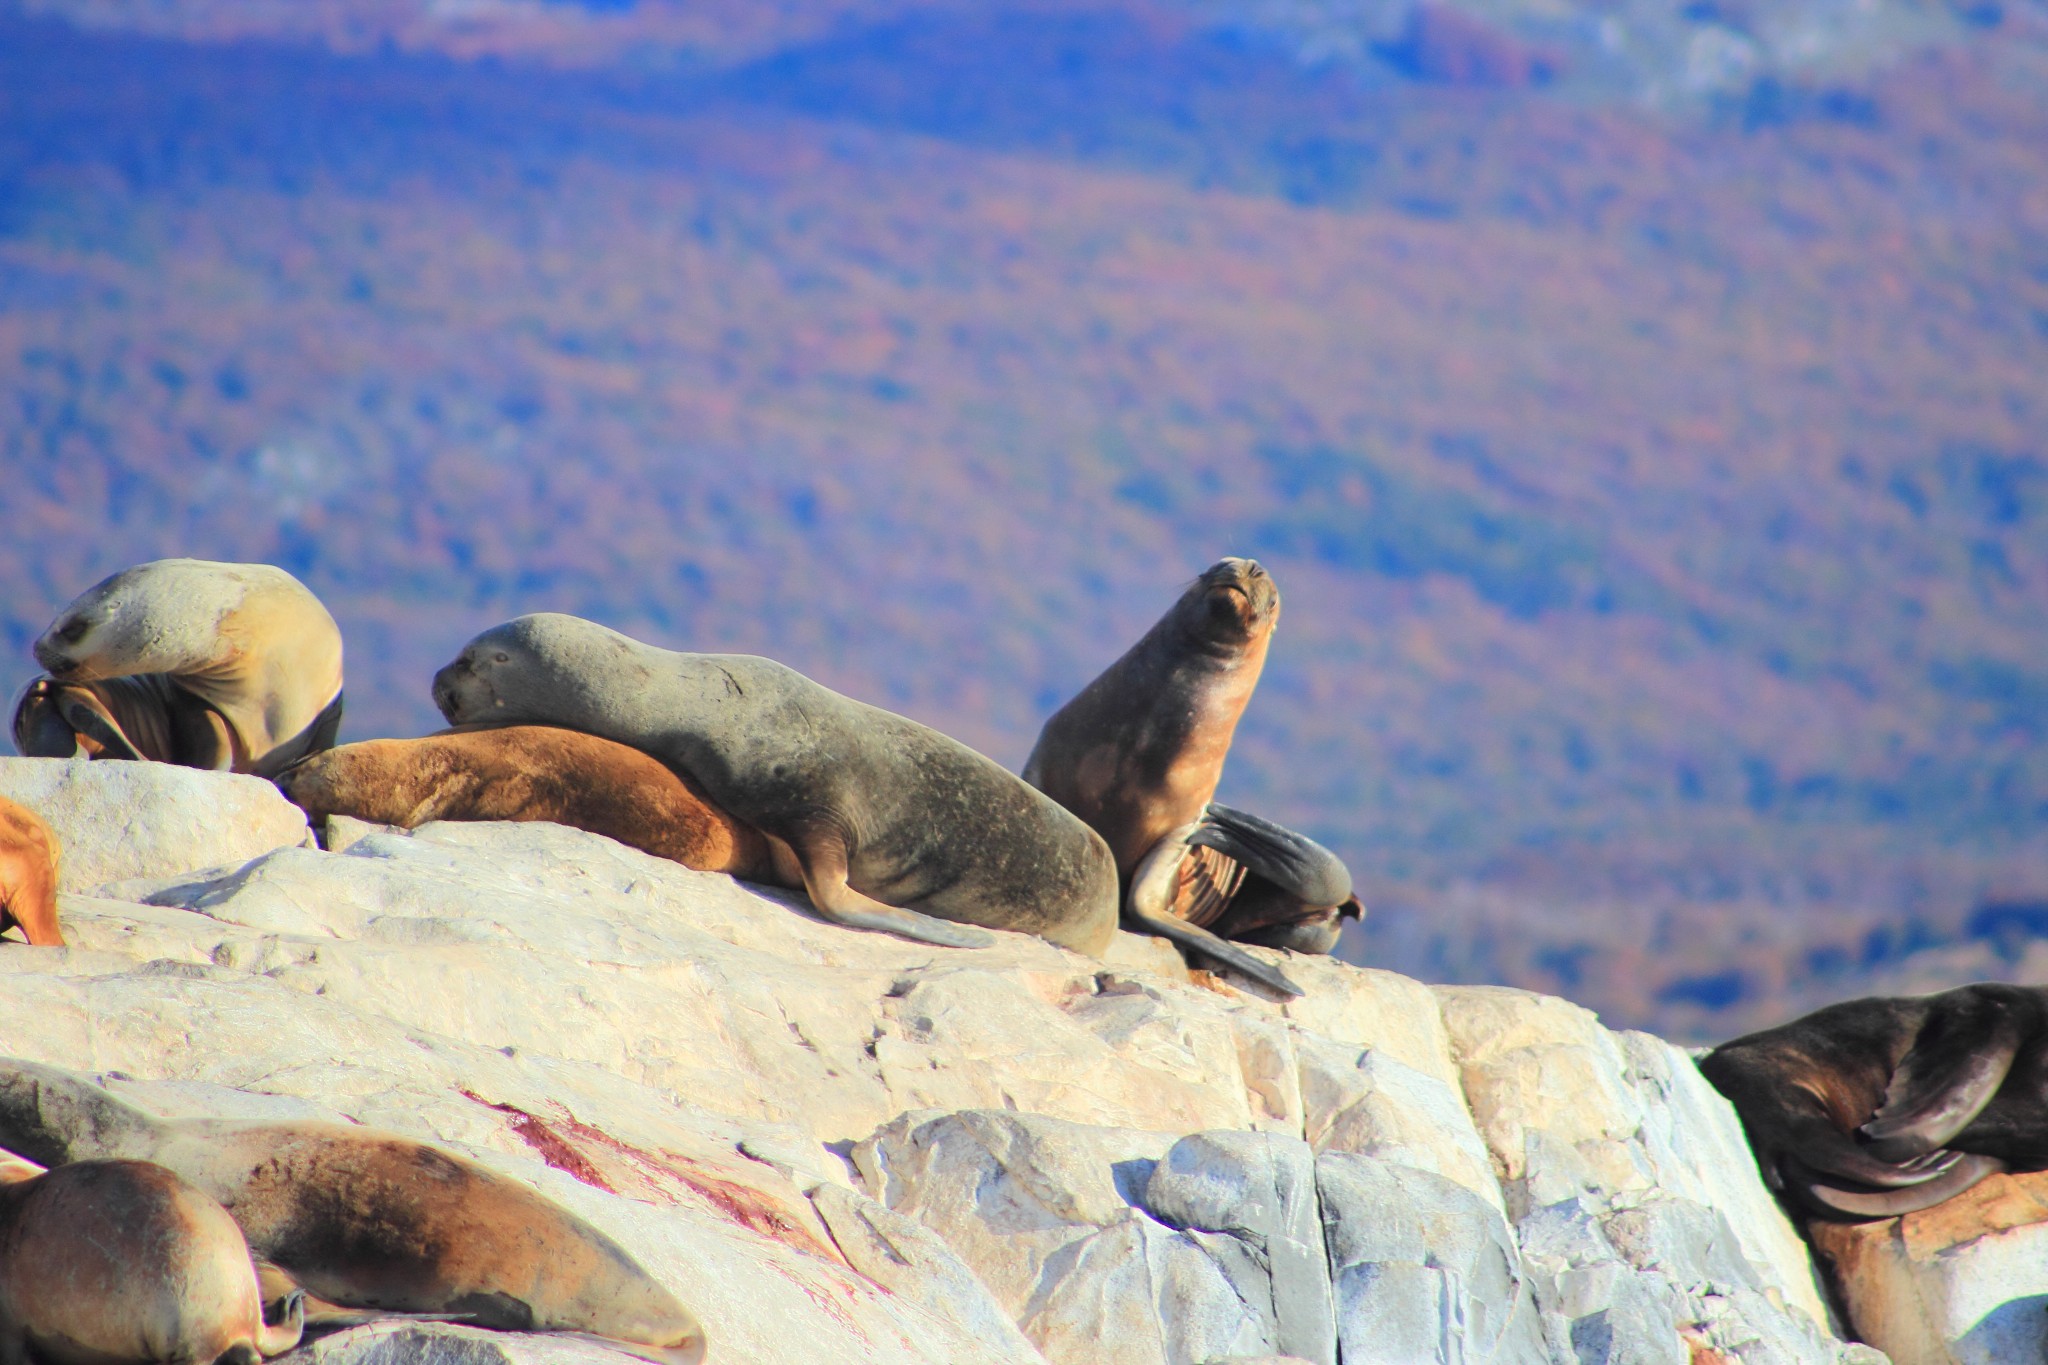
(844, 1147)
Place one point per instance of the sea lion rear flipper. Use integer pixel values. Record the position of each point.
(1830, 1199)
(40, 730)
(1293, 862)
(824, 869)
(1953, 1070)
(285, 1333)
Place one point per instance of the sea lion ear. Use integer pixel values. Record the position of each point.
(1953, 1070)
(1293, 862)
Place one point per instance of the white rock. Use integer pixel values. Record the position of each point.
(118, 821)
(1057, 1158)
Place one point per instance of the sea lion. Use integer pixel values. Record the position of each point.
(1138, 754)
(123, 1263)
(28, 875)
(369, 1220)
(1246, 879)
(536, 772)
(893, 826)
(231, 667)
(1879, 1107)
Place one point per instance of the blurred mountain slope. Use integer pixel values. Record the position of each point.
(1661, 505)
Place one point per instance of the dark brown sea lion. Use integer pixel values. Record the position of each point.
(123, 1263)
(28, 875)
(1138, 754)
(231, 667)
(537, 772)
(1879, 1107)
(894, 826)
(369, 1220)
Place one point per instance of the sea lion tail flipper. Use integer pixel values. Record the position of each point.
(1955, 1066)
(283, 1335)
(1891, 1203)
(1293, 862)
(824, 872)
(1199, 940)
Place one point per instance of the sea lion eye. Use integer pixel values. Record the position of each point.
(501, 657)
(72, 631)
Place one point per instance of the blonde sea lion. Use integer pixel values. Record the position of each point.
(893, 825)
(231, 667)
(28, 875)
(1879, 1107)
(1138, 754)
(537, 772)
(369, 1220)
(123, 1263)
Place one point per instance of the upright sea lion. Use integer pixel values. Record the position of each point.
(232, 667)
(1139, 751)
(893, 825)
(123, 1263)
(1138, 754)
(1878, 1107)
(536, 772)
(28, 875)
(369, 1220)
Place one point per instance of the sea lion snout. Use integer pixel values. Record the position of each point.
(1238, 595)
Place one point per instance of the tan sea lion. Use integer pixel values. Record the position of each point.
(1139, 751)
(1878, 1107)
(537, 772)
(369, 1220)
(231, 667)
(123, 1263)
(28, 875)
(1138, 754)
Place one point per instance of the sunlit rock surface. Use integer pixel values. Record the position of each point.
(842, 1147)
(1963, 1283)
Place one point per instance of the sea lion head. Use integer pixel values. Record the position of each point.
(533, 669)
(1234, 603)
(160, 617)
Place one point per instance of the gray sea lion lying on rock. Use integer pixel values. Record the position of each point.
(123, 1263)
(230, 667)
(369, 1220)
(1879, 1107)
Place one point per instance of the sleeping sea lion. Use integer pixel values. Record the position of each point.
(28, 875)
(369, 1220)
(1138, 754)
(231, 667)
(1879, 1107)
(123, 1263)
(536, 772)
(893, 826)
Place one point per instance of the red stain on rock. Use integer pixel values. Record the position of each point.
(554, 1149)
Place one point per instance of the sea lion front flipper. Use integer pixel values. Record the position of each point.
(824, 869)
(1952, 1181)
(1293, 862)
(90, 720)
(1952, 1071)
(40, 730)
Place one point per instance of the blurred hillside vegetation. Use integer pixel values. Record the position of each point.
(1643, 406)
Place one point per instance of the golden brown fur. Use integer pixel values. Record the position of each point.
(1138, 753)
(534, 772)
(28, 875)
(123, 1263)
